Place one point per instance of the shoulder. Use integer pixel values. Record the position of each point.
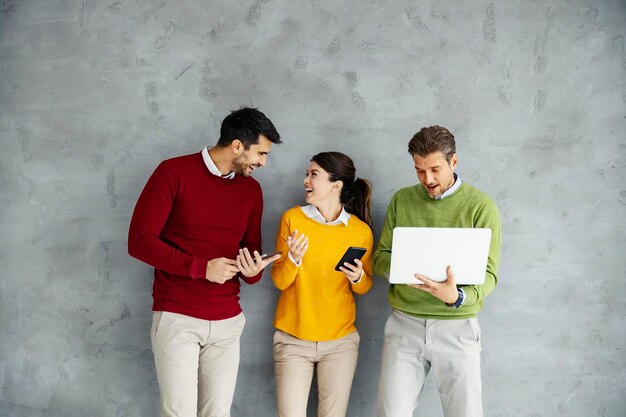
(479, 196)
(358, 226)
(183, 160)
(479, 200)
(293, 212)
(410, 192)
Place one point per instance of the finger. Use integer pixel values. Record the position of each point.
(422, 287)
(351, 267)
(301, 238)
(427, 282)
(358, 263)
(248, 256)
(228, 261)
(301, 245)
(268, 261)
(450, 275)
(349, 274)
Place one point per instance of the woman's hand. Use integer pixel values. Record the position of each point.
(352, 272)
(297, 245)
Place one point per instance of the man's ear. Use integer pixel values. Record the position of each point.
(237, 146)
(453, 161)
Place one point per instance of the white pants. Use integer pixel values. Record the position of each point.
(196, 362)
(295, 360)
(412, 347)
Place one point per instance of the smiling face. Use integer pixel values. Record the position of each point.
(318, 186)
(247, 160)
(435, 173)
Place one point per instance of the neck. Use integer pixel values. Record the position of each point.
(329, 210)
(222, 159)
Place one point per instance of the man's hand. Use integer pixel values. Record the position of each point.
(297, 245)
(445, 291)
(249, 266)
(220, 270)
(352, 272)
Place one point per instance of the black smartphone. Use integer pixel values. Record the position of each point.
(351, 254)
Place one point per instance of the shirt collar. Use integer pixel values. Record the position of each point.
(457, 183)
(212, 167)
(313, 213)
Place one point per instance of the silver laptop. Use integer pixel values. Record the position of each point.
(429, 250)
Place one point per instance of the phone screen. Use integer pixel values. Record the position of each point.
(352, 253)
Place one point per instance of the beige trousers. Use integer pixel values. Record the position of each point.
(294, 362)
(196, 362)
(412, 347)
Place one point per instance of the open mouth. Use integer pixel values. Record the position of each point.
(308, 191)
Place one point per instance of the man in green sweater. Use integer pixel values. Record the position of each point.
(433, 325)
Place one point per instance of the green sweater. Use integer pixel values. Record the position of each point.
(466, 207)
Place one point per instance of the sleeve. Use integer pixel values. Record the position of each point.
(488, 217)
(365, 283)
(252, 235)
(149, 217)
(382, 256)
(284, 271)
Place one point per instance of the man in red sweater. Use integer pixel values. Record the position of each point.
(198, 223)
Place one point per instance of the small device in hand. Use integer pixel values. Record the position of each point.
(351, 254)
(268, 255)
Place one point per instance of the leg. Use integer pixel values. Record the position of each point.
(403, 366)
(219, 363)
(294, 361)
(456, 364)
(176, 347)
(335, 372)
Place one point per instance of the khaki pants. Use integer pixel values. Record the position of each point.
(294, 362)
(196, 362)
(414, 346)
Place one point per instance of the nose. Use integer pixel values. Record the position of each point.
(428, 176)
(263, 160)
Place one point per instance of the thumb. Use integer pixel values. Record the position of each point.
(450, 275)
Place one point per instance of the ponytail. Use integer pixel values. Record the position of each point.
(357, 199)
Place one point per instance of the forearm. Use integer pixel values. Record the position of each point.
(284, 271)
(150, 249)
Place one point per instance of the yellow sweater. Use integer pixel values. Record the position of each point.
(316, 302)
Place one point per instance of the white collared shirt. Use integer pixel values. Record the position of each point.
(457, 183)
(212, 167)
(313, 213)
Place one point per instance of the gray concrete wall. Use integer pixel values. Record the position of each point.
(94, 94)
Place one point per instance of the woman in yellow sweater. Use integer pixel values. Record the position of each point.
(316, 308)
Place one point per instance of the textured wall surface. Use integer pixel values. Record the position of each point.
(93, 94)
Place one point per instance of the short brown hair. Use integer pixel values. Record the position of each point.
(433, 139)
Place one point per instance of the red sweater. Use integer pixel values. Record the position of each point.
(186, 216)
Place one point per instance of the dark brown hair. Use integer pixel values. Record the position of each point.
(356, 193)
(247, 124)
(433, 139)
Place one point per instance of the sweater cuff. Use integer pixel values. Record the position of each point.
(197, 270)
(297, 264)
(360, 278)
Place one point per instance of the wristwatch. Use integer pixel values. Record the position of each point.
(459, 301)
